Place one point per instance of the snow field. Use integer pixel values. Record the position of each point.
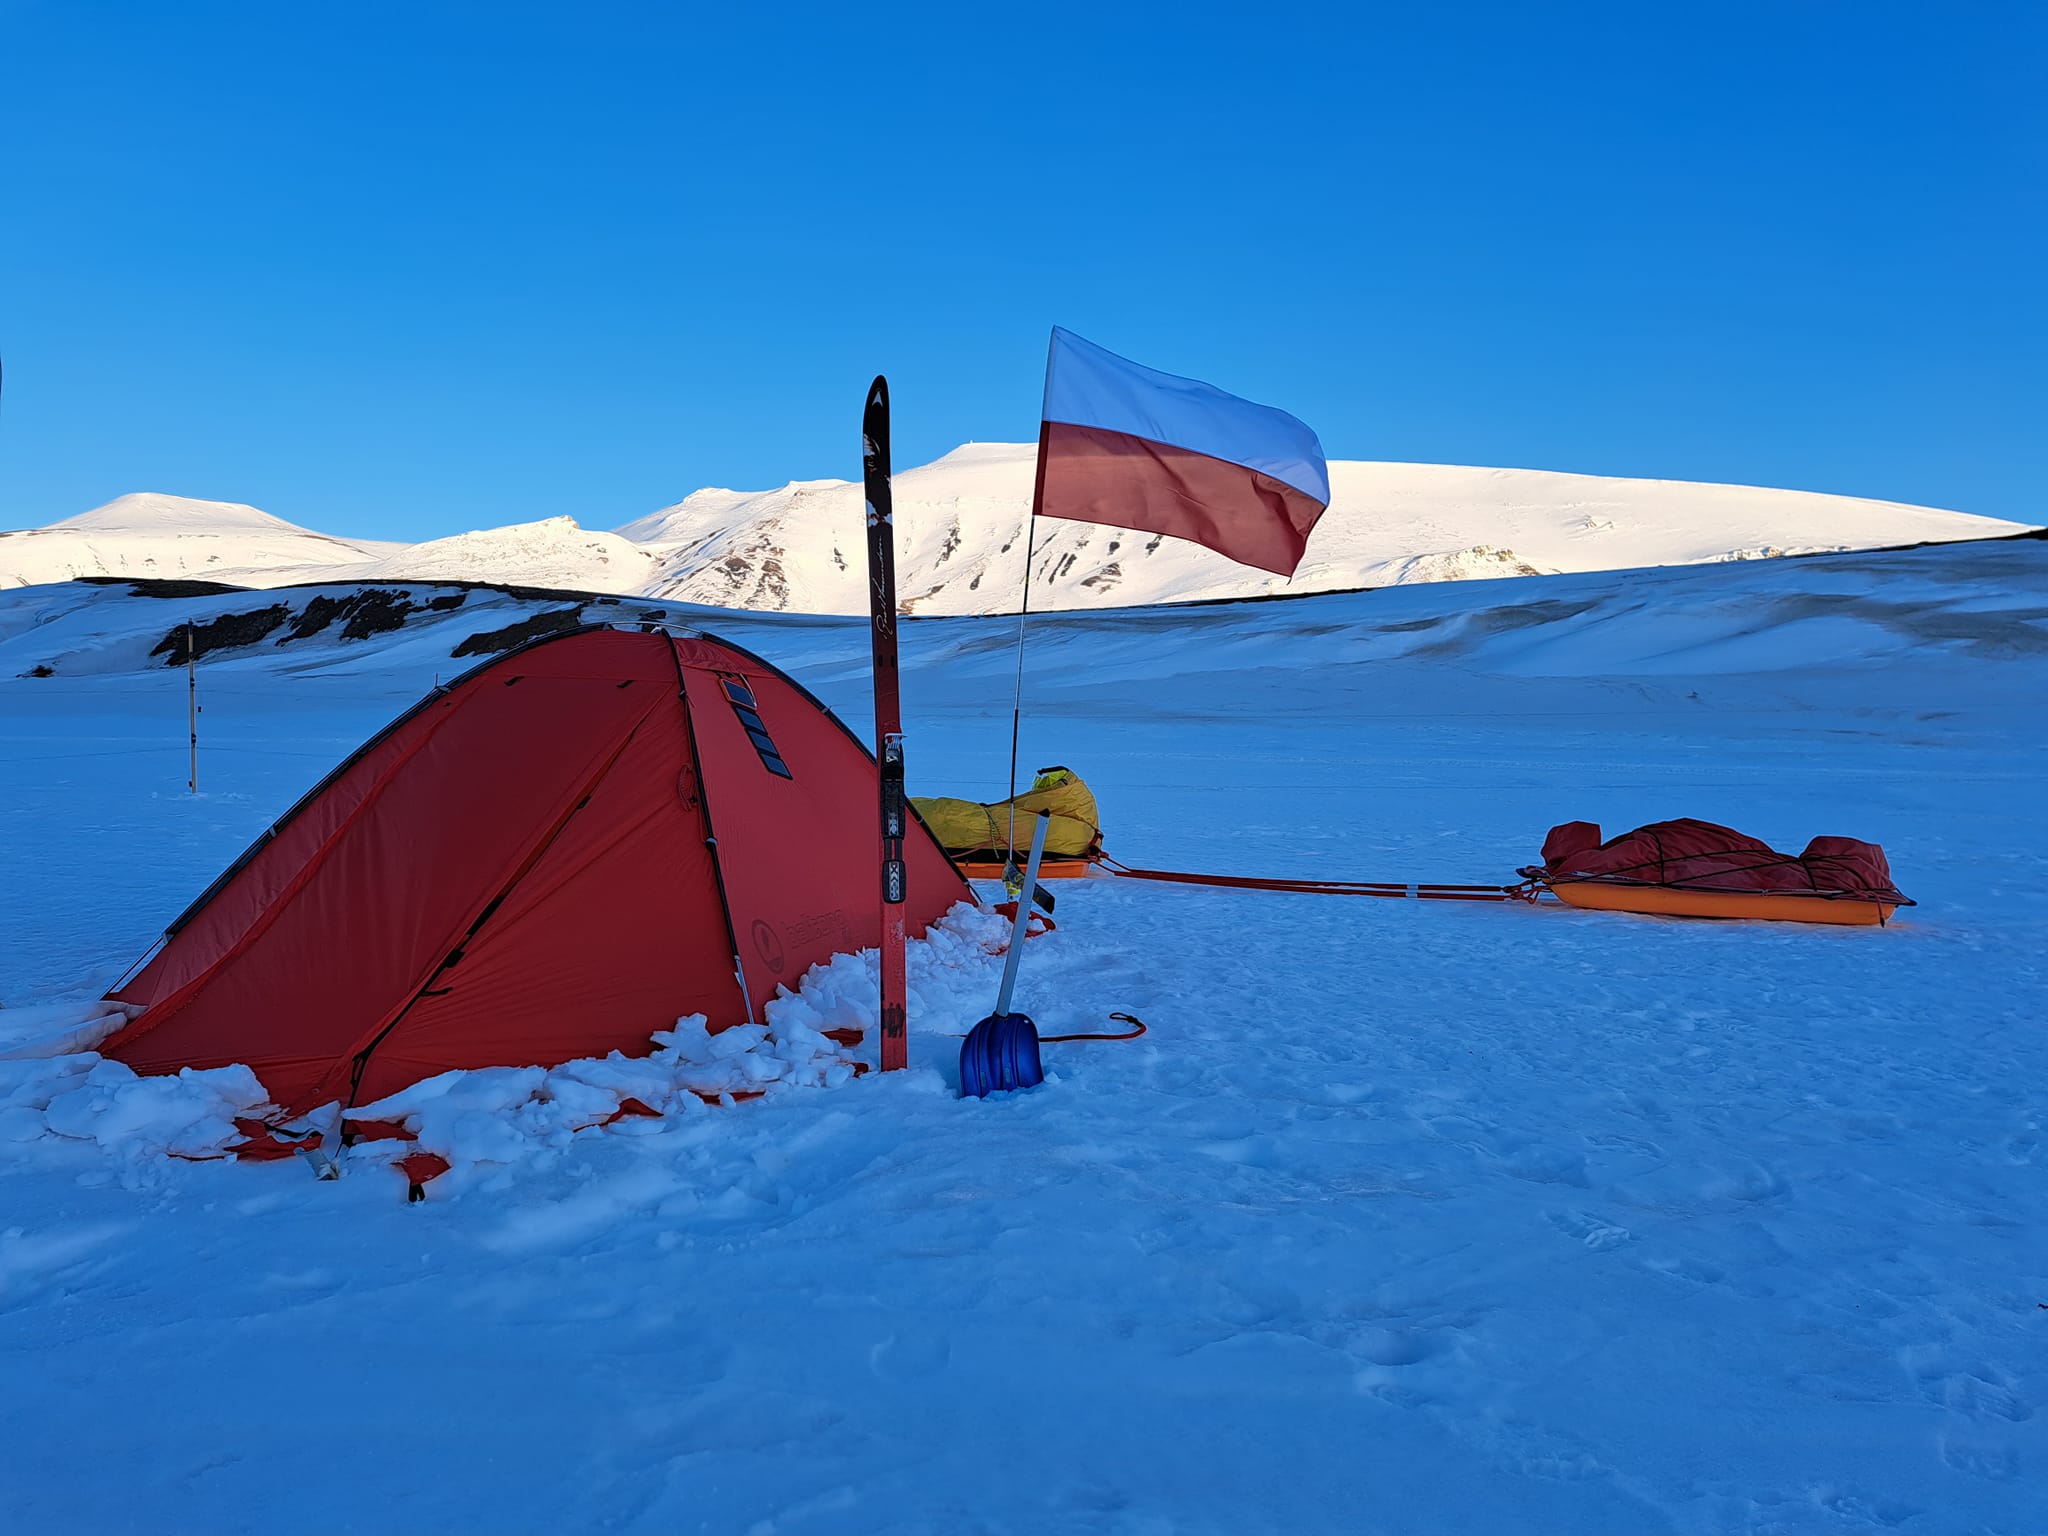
(1403, 1218)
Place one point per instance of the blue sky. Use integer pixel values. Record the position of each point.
(398, 270)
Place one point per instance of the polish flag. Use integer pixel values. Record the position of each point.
(1127, 445)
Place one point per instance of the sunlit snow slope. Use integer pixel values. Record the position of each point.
(960, 532)
(960, 525)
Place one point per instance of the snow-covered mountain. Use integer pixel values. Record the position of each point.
(175, 537)
(960, 540)
(960, 544)
(551, 553)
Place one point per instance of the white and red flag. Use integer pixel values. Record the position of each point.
(1130, 446)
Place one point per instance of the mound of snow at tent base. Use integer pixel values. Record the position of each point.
(53, 1084)
(960, 524)
(1449, 1219)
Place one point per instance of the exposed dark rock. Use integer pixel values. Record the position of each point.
(143, 586)
(375, 612)
(224, 633)
(491, 642)
(1106, 578)
(368, 611)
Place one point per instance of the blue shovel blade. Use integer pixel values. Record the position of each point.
(1000, 1054)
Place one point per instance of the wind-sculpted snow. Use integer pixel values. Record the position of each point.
(960, 525)
(1402, 1217)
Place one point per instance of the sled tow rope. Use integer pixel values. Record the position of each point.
(1386, 889)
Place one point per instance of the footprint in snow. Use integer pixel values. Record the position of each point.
(1980, 1402)
(1651, 1109)
(1698, 1271)
(311, 1284)
(1399, 1346)
(898, 1358)
(1753, 1181)
(1251, 1151)
(1540, 1163)
(1589, 1229)
(1980, 1456)
(1389, 1354)
(32, 1261)
(1856, 1509)
(1534, 1451)
(1974, 1389)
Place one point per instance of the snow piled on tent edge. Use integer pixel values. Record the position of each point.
(55, 1088)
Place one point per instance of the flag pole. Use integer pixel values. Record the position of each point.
(1010, 872)
(1012, 876)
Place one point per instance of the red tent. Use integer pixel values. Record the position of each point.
(553, 856)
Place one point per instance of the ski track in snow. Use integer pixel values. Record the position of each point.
(1401, 1219)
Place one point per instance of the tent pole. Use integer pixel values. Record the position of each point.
(192, 703)
(732, 933)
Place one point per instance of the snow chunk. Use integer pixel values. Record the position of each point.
(189, 1115)
(505, 1115)
(59, 1029)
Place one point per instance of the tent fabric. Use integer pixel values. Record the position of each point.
(559, 853)
(970, 829)
(1699, 855)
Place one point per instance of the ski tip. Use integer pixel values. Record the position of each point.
(878, 392)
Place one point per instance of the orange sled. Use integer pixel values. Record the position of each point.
(1690, 868)
(1048, 869)
(1669, 901)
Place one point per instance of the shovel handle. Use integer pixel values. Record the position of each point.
(1023, 913)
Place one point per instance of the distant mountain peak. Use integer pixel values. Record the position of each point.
(961, 535)
(155, 512)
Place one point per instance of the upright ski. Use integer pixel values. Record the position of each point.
(874, 428)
